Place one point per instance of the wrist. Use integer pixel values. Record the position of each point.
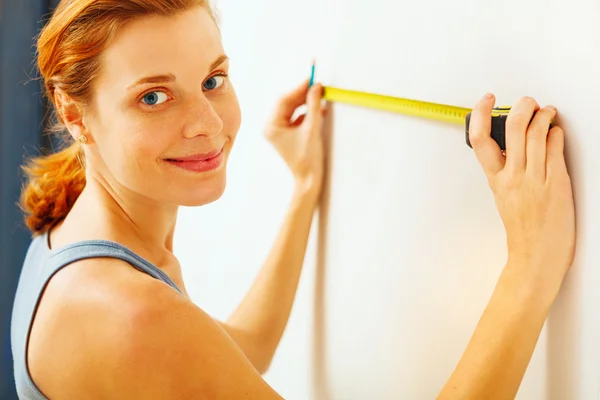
(307, 188)
(531, 283)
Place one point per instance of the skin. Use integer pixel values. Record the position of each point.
(533, 194)
(103, 327)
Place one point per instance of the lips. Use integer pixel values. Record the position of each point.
(199, 162)
(198, 156)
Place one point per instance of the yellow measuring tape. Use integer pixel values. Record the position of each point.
(440, 112)
(417, 108)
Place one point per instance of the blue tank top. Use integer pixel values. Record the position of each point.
(40, 264)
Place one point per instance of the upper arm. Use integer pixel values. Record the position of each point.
(174, 350)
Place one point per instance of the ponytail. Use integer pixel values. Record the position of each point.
(53, 184)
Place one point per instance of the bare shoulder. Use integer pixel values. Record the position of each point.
(105, 328)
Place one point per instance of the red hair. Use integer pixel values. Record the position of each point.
(68, 50)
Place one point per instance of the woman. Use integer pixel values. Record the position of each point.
(101, 311)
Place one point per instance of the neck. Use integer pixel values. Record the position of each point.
(128, 216)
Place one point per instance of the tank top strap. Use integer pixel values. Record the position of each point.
(102, 249)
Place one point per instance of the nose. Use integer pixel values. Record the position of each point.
(203, 119)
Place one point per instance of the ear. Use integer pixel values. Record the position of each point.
(71, 115)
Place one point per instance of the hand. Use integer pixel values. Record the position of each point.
(300, 142)
(531, 186)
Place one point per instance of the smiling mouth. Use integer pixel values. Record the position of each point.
(198, 157)
(201, 162)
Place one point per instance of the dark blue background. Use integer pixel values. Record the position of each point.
(22, 112)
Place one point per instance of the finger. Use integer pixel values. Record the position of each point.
(555, 164)
(315, 95)
(486, 149)
(537, 134)
(288, 103)
(517, 122)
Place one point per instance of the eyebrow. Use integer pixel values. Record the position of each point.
(167, 78)
(153, 79)
(218, 62)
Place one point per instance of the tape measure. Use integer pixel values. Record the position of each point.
(423, 109)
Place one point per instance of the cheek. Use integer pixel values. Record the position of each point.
(129, 145)
(148, 137)
(147, 141)
(121, 136)
(142, 142)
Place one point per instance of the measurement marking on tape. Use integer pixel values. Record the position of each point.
(424, 109)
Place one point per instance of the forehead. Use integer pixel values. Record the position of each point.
(181, 44)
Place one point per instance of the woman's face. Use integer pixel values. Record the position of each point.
(165, 115)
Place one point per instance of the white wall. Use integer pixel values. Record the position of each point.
(410, 243)
(223, 245)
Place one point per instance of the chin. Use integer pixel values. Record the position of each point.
(207, 192)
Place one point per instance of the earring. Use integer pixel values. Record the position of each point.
(82, 139)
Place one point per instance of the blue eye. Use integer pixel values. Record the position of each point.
(214, 82)
(155, 98)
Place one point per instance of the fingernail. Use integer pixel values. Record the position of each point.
(552, 108)
(488, 96)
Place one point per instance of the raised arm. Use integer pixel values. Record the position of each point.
(257, 325)
(533, 195)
